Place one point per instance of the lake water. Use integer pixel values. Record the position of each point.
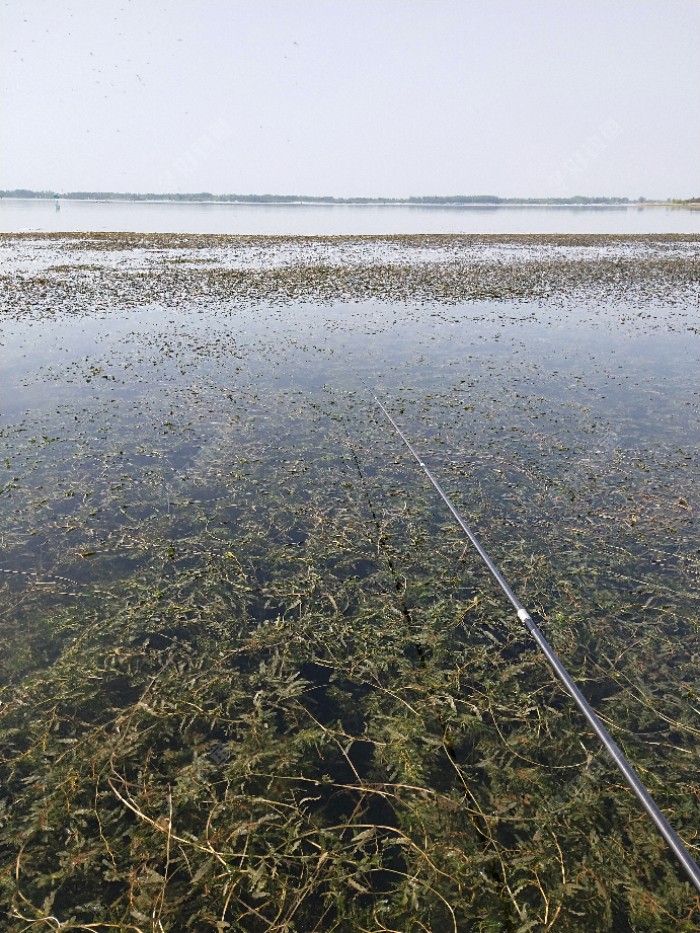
(244, 651)
(308, 220)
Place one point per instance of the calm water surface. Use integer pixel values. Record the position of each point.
(231, 604)
(309, 220)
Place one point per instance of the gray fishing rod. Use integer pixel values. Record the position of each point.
(630, 775)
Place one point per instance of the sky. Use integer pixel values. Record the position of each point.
(375, 98)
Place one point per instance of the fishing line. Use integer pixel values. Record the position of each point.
(630, 775)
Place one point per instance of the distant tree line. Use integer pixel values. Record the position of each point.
(457, 199)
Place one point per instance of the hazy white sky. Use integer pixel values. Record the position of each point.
(352, 97)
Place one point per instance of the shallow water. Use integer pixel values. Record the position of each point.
(482, 388)
(214, 545)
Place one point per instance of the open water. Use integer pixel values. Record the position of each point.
(18, 216)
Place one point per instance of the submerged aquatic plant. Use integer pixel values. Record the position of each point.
(251, 678)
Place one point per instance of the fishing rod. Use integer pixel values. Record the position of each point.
(630, 775)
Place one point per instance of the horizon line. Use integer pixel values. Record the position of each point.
(477, 199)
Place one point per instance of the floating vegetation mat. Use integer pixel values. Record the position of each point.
(252, 678)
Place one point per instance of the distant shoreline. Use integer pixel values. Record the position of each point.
(338, 202)
(277, 200)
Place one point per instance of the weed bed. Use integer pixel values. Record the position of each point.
(252, 678)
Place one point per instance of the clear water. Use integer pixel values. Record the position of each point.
(211, 539)
(510, 393)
